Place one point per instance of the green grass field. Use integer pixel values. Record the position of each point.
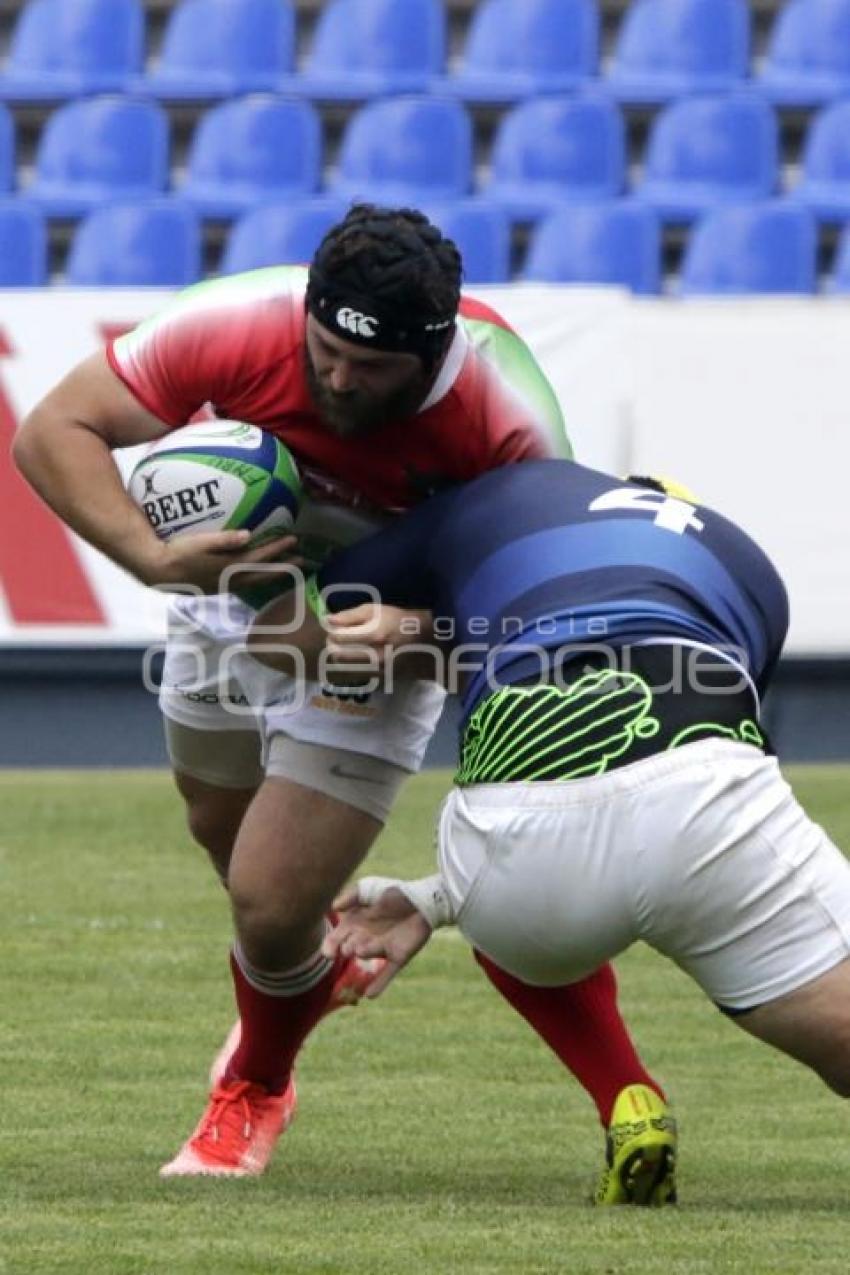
(435, 1134)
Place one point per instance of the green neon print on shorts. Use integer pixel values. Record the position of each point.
(554, 733)
(494, 745)
(746, 732)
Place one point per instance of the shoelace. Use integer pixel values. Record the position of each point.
(222, 1107)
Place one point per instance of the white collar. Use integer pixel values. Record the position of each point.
(450, 370)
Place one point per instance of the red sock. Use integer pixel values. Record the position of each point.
(582, 1024)
(274, 1028)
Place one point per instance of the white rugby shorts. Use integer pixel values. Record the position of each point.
(211, 683)
(702, 852)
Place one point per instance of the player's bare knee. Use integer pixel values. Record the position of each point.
(205, 827)
(274, 936)
(257, 910)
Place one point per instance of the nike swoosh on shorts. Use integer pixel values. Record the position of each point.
(337, 770)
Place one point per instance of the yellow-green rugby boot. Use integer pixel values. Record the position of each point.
(640, 1151)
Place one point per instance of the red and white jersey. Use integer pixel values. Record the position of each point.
(238, 344)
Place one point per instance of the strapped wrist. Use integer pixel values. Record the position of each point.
(430, 897)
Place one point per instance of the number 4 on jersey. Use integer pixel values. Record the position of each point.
(671, 512)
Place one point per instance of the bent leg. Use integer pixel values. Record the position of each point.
(296, 847)
(300, 840)
(217, 773)
(755, 905)
(536, 935)
(811, 1024)
(582, 1025)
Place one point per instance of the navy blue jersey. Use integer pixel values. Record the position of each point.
(550, 554)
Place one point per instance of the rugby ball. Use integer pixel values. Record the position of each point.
(218, 476)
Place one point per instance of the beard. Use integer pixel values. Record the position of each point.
(354, 413)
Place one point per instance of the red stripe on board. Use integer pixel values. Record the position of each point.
(40, 573)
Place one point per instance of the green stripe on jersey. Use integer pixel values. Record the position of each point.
(521, 371)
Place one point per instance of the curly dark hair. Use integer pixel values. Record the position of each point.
(394, 255)
(398, 263)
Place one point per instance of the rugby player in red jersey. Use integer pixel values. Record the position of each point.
(386, 385)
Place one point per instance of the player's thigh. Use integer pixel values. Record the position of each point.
(228, 763)
(310, 825)
(812, 1024)
(334, 765)
(212, 734)
(746, 893)
(217, 773)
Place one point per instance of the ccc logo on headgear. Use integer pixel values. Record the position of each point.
(357, 322)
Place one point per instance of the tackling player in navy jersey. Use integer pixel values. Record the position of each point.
(556, 558)
(611, 643)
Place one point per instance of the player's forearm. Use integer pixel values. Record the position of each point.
(384, 640)
(72, 469)
(287, 636)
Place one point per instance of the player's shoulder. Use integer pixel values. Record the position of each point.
(491, 338)
(223, 317)
(285, 284)
(476, 314)
(502, 389)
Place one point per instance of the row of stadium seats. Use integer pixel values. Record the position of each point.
(366, 48)
(767, 247)
(701, 152)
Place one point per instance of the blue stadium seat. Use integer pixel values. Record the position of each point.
(482, 233)
(252, 150)
(99, 149)
(552, 149)
(839, 280)
(825, 183)
(808, 55)
(669, 47)
(704, 151)
(371, 48)
(766, 247)
(405, 150)
(617, 242)
(23, 245)
(219, 48)
(279, 234)
(516, 48)
(154, 243)
(65, 48)
(7, 149)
